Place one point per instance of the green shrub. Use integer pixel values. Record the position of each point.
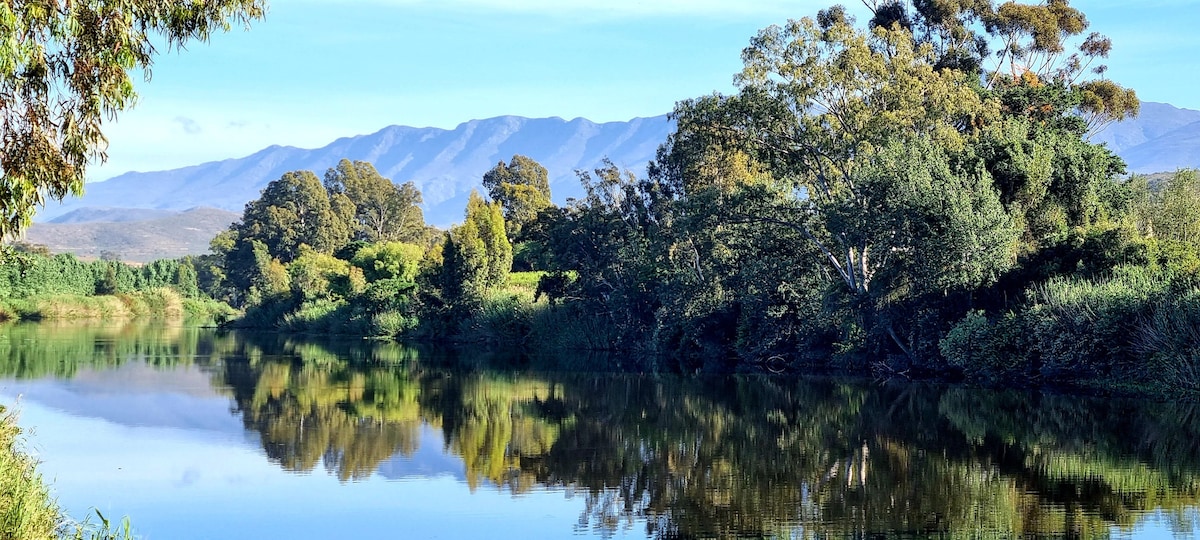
(985, 349)
(391, 324)
(389, 260)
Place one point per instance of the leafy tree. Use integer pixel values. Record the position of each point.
(109, 284)
(1042, 41)
(822, 126)
(294, 210)
(65, 69)
(389, 260)
(476, 256)
(522, 187)
(489, 222)
(382, 210)
(268, 277)
(1175, 210)
(186, 278)
(610, 240)
(464, 270)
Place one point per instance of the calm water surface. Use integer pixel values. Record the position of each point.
(196, 434)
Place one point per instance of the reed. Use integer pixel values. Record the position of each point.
(163, 302)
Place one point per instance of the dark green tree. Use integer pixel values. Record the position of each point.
(464, 271)
(294, 210)
(522, 187)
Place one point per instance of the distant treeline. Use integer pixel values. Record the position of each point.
(37, 285)
(28, 272)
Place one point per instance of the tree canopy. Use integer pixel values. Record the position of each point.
(522, 187)
(65, 69)
(383, 211)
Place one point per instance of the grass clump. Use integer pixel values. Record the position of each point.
(26, 509)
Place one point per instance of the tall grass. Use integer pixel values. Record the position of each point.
(1169, 338)
(1133, 329)
(162, 302)
(26, 509)
(510, 317)
(27, 512)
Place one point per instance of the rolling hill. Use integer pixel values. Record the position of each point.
(168, 236)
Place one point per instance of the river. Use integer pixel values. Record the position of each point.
(199, 434)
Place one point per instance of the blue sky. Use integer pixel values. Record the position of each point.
(316, 70)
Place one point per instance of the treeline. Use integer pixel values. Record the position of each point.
(29, 271)
(37, 285)
(917, 196)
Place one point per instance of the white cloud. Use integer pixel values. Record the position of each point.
(190, 126)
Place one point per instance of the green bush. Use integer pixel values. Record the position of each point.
(389, 260)
(985, 349)
(391, 324)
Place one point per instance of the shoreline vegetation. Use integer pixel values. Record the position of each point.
(35, 285)
(912, 196)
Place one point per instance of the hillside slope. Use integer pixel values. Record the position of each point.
(173, 236)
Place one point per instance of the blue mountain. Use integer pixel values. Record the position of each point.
(446, 164)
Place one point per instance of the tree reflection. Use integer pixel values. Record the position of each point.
(690, 457)
(757, 456)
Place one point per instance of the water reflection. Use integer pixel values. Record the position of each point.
(695, 457)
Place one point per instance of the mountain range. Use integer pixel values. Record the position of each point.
(446, 164)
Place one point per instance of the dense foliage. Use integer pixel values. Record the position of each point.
(26, 275)
(915, 196)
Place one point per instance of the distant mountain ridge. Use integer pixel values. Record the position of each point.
(132, 214)
(444, 164)
(1162, 138)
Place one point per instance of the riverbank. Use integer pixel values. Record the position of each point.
(163, 302)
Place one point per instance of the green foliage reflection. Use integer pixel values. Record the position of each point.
(685, 457)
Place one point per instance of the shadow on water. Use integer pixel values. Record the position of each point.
(685, 457)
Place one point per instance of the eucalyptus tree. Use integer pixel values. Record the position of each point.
(522, 187)
(843, 119)
(383, 210)
(65, 69)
